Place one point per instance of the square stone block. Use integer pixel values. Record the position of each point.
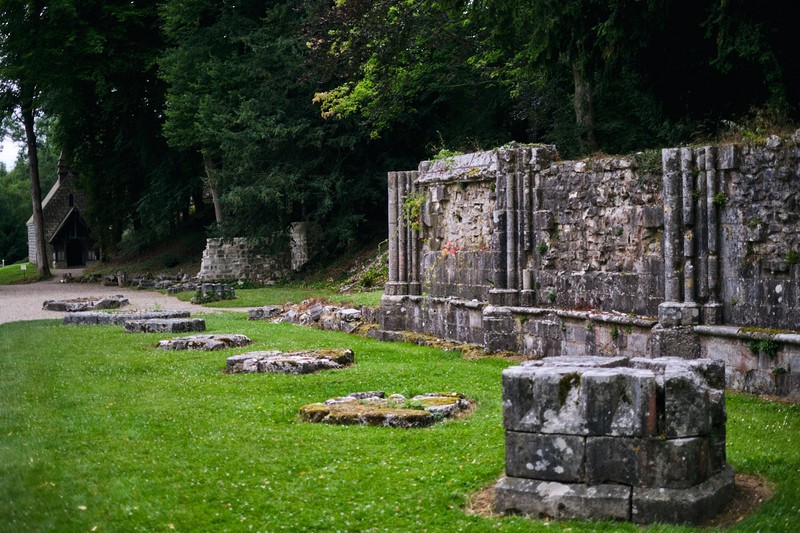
(543, 400)
(588, 361)
(693, 505)
(547, 457)
(552, 499)
(676, 463)
(692, 392)
(620, 401)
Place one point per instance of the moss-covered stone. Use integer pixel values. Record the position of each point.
(396, 411)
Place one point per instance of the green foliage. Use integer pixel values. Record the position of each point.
(792, 257)
(412, 209)
(768, 347)
(720, 200)
(648, 161)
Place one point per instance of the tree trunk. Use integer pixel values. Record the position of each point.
(36, 193)
(211, 177)
(583, 102)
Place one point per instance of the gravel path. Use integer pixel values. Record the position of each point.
(24, 302)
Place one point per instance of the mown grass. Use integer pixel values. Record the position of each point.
(99, 429)
(14, 274)
(279, 294)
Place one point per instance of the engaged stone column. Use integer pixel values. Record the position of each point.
(713, 308)
(414, 284)
(397, 226)
(679, 307)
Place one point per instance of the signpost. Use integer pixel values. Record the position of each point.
(24, 268)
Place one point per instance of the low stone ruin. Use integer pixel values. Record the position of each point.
(165, 325)
(374, 409)
(314, 314)
(213, 292)
(615, 438)
(94, 318)
(205, 342)
(91, 303)
(277, 362)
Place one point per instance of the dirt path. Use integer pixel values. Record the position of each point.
(24, 302)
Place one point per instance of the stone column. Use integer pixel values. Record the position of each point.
(396, 234)
(672, 289)
(414, 285)
(511, 231)
(701, 226)
(713, 307)
(392, 194)
(687, 192)
(679, 307)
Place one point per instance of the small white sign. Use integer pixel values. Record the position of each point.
(23, 267)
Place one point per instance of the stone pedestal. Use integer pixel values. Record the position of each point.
(599, 438)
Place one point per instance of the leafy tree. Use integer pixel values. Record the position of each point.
(110, 120)
(30, 36)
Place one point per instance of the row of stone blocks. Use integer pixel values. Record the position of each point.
(631, 439)
(148, 322)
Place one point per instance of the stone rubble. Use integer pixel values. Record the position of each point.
(302, 362)
(165, 325)
(86, 304)
(313, 314)
(374, 409)
(205, 342)
(94, 318)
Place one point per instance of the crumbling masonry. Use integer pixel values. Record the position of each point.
(693, 252)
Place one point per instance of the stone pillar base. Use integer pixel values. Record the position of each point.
(672, 314)
(395, 288)
(415, 288)
(527, 298)
(564, 501)
(673, 342)
(499, 330)
(712, 314)
(504, 297)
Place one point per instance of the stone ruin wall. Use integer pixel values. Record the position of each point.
(241, 260)
(517, 250)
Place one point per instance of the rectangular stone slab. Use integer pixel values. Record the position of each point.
(552, 499)
(693, 505)
(652, 462)
(544, 457)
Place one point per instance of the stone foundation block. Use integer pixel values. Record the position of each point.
(652, 462)
(93, 318)
(546, 457)
(543, 400)
(620, 402)
(205, 342)
(693, 505)
(552, 499)
(166, 325)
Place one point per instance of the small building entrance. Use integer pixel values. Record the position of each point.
(74, 253)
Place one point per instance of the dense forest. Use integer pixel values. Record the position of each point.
(249, 115)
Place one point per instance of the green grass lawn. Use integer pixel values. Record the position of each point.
(100, 430)
(13, 273)
(280, 294)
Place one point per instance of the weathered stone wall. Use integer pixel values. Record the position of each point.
(240, 260)
(703, 237)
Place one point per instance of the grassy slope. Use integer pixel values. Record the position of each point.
(14, 274)
(97, 428)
